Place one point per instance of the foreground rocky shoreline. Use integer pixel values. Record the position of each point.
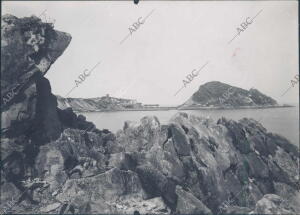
(190, 166)
(54, 161)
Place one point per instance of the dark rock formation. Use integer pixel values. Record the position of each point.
(195, 165)
(29, 114)
(189, 204)
(28, 109)
(217, 94)
(273, 204)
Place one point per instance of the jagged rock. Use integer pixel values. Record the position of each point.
(273, 204)
(102, 191)
(8, 146)
(46, 126)
(73, 152)
(164, 160)
(150, 206)
(29, 116)
(204, 171)
(9, 192)
(289, 195)
(70, 120)
(139, 137)
(27, 43)
(189, 204)
(284, 161)
(51, 207)
(215, 162)
(113, 147)
(50, 166)
(152, 179)
(29, 47)
(13, 168)
(237, 210)
(180, 140)
(123, 161)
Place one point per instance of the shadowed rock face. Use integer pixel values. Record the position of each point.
(28, 109)
(190, 165)
(273, 204)
(28, 48)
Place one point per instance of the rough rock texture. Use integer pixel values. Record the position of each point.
(54, 161)
(28, 109)
(213, 162)
(29, 114)
(192, 165)
(217, 94)
(187, 203)
(29, 47)
(273, 204)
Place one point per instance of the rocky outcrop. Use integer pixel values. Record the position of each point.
(194, 165)
(109, 192)
(273, 204)
(219, 95)
(28, 109)
(29, 48)
(190, 166)
(29, 114)
(189, 204)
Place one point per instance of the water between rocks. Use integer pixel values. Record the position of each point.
(283, 121)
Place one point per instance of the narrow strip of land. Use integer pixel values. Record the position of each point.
(189, 108)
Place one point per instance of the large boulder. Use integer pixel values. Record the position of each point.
(28, 48)
(139, 136)
(189, 204)
(273, 204)
(74, 153)
(28, 109)
(104, 193)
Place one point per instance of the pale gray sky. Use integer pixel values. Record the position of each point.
(178, 37)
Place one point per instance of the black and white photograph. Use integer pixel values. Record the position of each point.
(143, 107)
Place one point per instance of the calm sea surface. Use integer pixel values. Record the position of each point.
(283, 121)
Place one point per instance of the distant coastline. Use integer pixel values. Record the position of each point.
(212, 95)
(189, 108)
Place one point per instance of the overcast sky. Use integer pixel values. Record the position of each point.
(151, 64)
